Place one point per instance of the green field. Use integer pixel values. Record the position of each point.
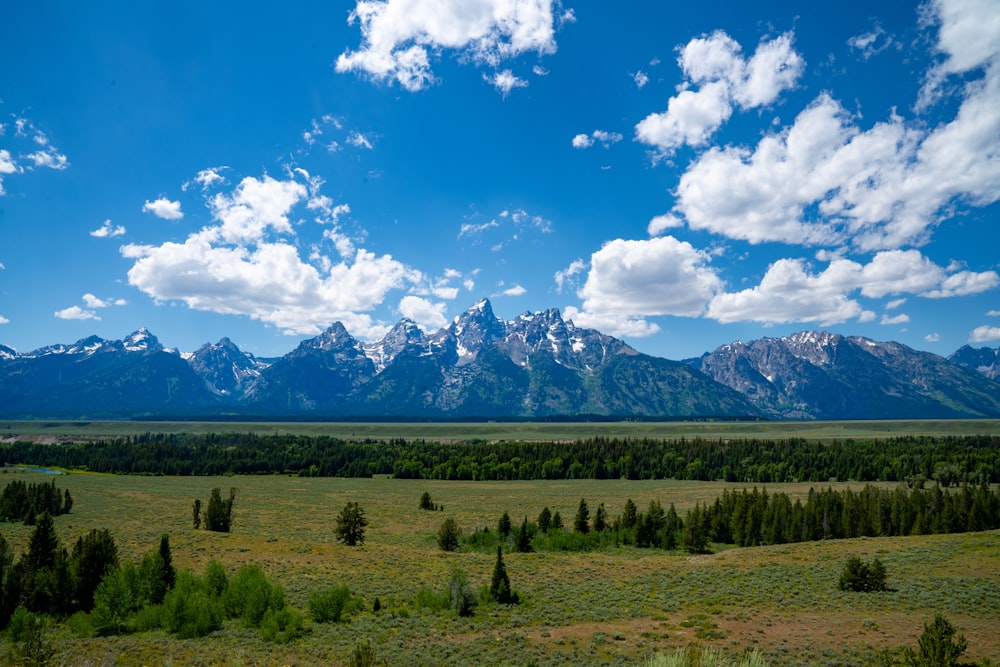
(447, 431)
(613, 607)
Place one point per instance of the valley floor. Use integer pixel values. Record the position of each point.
(613, 607)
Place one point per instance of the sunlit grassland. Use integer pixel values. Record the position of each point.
(611, 607)
(449, 431)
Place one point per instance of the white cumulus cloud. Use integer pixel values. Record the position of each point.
(428, 315)
(76, 313)
(164, 208)
(725, 79)
(247, 263)
(602, 137)
(984, 334)
(400, 37)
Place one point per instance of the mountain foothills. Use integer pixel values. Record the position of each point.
(480, 366)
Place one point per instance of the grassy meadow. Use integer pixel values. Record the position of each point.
(503, 430)
(613, 607)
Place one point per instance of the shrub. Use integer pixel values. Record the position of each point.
(448, 535)
(250, 595)
(328, 606)
(282, 626)
(189, 610)
(462, 599)
(863, 577)
(363, 655)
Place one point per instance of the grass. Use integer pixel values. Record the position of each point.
(614, 607)
(448, 431)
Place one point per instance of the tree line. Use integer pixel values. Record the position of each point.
(23, 502)
(745, 518)
(949, 460)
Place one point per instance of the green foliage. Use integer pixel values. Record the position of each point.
(363, 655)
(500, 589)
(938, 646)
(581, 522)
(216, 580)
(504, 526)
(196, 513)
(190, 610)
(282, 626)
(218, 515)
(462, 600)
(524, 535)
(250, 595)
(20, 501)
(544, 520)
(115, 600)
(351, 525)
(863, 577)
(27, 634)
(327, 606)
(448, 535)
(697, 656)
(94, 556)
(426, 503)
(761, 460)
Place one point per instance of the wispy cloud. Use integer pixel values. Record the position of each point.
(107, 230)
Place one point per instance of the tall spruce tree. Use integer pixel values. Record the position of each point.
(581, 523)
(500, 582)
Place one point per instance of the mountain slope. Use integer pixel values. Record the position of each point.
(95, 377)
(813, 375)
(984, 360)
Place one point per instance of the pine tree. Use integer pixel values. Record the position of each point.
(581, 522)
(938, 646)
(500, 583)
(524, 538)
(169, 573)
(351, 525)
(196, 513)
(545, 520)
(600, 519)
(504, 526)
(630, 515)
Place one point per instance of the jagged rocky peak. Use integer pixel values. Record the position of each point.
(336, 337)
(142, 341)
(983, 360)
(7, 352)
(403, 335)
(477, 327)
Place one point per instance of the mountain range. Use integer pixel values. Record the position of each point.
(480, 366)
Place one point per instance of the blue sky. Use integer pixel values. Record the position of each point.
(680, 176)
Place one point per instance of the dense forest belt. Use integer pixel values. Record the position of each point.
(948, 460)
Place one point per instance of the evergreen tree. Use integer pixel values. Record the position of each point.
(67, 502)
(630, 515)
(600, 519)
(500, 582)
(351, 525)
(524, 538)
(448, 534)
(219, 513)
(545, 520)
(94, 556)
(581, 522)
(504, 526)
(196, 513)
(426, 503)
(43, 545)
(557, 522)
(938, 646)
(169, 573)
